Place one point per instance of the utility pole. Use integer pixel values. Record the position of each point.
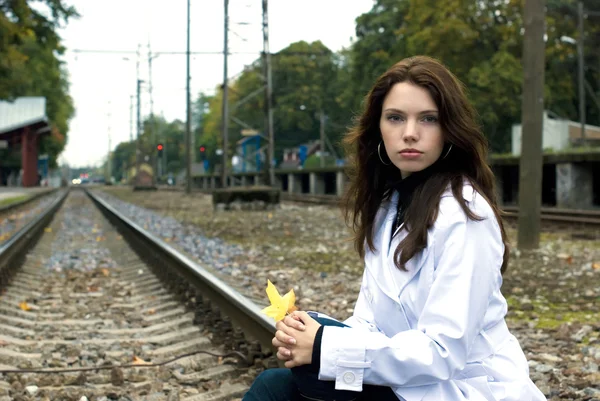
(225, 111)
(131, 118)
(108, 160)
(322, 131)
(530, 165)
(581, 65)
(139, 129)
(164, 160)
(188, 131)
(152, 122)
(268, 94)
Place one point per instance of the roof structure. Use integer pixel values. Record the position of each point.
(23, 112)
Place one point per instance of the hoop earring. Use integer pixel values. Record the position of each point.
(448, 152)
(379, 153)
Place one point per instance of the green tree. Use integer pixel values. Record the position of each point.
(306, 81)
(30, 66)
(481, 42)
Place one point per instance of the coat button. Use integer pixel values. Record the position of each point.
(348, 377)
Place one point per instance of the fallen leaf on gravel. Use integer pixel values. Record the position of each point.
(23, 305)
(140, 361)
(596, 265)
(48, 229)
(152, 311)
(105, 272)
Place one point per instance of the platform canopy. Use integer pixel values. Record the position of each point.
(23, 122)
(21, 113)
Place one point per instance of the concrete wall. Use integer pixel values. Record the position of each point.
(568, 180)
(555, 135)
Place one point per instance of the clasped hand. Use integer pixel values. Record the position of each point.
(294, 339)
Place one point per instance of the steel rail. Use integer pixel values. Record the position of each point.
(550, 214)
(10, 206)
(13, 250)
(240, 310)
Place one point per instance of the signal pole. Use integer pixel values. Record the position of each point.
(188, 130)
(225, 111)
(152, 122)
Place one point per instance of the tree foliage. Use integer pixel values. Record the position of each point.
(480, 41)
(29, 62)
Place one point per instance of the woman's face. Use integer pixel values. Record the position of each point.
(410, 128)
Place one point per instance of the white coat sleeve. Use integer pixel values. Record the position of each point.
(467, 273)
(362, 316)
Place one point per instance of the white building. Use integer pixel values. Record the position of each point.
(558, 134)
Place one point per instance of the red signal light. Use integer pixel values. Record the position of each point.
(202, 148)
(159, 146)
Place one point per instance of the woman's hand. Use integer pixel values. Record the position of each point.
(294, 339)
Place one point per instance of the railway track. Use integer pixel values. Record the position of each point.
(549, 214)
(19, 204)
(15, 215)
(95, 308)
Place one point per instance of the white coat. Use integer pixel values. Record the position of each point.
(437, 331)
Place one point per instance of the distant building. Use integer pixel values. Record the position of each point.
(22, 123)
(250, 155)
(295, 157)
(558, 134)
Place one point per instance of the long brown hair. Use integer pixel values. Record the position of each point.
(369, 177)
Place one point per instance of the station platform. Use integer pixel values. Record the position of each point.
(17, 192)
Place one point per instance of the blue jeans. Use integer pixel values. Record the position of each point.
(301, 384)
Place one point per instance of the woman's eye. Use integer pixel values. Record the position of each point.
(394, 118)
(430, 119)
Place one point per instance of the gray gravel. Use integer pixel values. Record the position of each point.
(563, 357)
(84, 299)
(15, 219)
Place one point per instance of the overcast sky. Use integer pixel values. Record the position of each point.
(102, 83)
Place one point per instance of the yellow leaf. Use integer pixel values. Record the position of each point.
(140, 361)
(152, 311)
(596, 265)
(270, 216)
(48, 229)
(23, 305)
(105, 272)
(280, 306)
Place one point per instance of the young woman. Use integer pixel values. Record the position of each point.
(429, 320)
